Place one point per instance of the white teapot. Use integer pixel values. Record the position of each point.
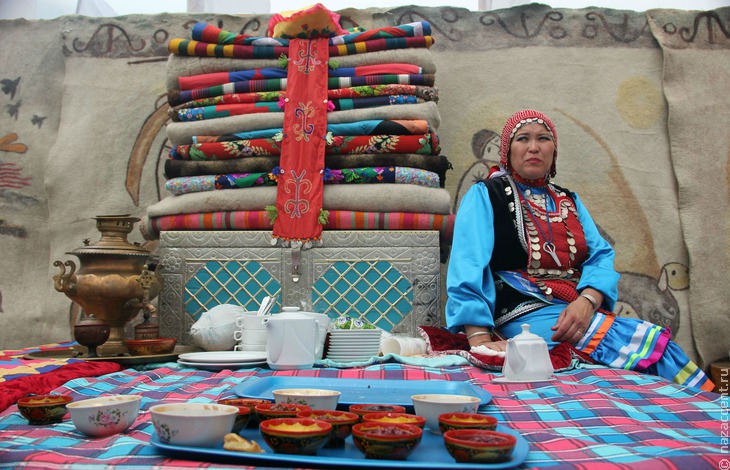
(292, 340)
(527, 357)
(322, 320)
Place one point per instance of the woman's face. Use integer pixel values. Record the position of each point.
(532, 151)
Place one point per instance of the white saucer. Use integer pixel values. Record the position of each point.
(504, 380)
(221, 365)
(354, 344)
(353, 347)
(354, 334)
(364, 333)
(224, 357)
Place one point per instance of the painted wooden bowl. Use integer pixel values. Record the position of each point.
(44, 409)
(386, 441)
(302, 436)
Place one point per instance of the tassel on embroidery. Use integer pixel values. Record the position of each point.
(334, 64)
(275, 172)
(283, 61)
(329, 138)
(330, 106)
(324, 216)
(282, 101)
(278, 137)
(271, 213)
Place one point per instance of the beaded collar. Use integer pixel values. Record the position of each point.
(536, 183)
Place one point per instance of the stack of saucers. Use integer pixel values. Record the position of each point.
(353, 345)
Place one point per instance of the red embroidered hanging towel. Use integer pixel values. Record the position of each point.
(300, 184)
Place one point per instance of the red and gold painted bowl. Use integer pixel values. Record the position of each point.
(479, 445)
(388, 418)
(243, 416)
(279, 410)
(386, 441)
(364, 408)
(44, 409)
(449, 421)
(249, 403)
(341, 421)
(295, 435)
(150, 347)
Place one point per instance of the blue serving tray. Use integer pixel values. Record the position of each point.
(430, 453)
(360, 391)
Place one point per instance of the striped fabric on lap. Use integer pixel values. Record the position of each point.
(634, 344)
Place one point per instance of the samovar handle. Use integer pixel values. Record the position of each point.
(147, 279)
(65, 281)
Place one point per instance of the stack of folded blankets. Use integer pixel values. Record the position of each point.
(381, 167)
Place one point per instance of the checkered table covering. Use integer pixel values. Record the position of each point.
(586, 419)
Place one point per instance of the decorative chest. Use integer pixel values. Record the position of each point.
(388, 278)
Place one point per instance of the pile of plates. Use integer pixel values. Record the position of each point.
(219, 360)
(353, 345)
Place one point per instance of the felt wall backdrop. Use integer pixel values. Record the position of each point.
(639, 101)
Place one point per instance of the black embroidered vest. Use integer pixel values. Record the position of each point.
(509, 252)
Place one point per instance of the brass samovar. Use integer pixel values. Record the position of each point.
(113, 281)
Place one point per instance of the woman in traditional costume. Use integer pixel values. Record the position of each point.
(526, 250)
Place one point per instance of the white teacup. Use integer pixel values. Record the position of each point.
(250, 347)
(239, 319)
(403, 346)
(251, 321)
(250, 336)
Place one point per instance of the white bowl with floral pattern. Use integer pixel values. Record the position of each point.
(193, 424)
(106, 415)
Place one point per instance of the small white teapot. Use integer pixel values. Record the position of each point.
(292, 340)
(527, 357)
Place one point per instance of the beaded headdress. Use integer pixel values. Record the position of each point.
(517, 120)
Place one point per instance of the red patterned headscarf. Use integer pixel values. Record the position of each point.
(517, 120)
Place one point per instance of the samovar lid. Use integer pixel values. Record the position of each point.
(114, 230)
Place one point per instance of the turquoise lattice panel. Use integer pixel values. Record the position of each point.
(374, 291)
(228, 282)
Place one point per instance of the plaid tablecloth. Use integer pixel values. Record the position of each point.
(586, 419)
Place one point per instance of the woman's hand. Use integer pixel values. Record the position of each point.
(573, 321)
(498, 346)
(478, 336)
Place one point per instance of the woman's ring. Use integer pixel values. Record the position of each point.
(580, 332)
